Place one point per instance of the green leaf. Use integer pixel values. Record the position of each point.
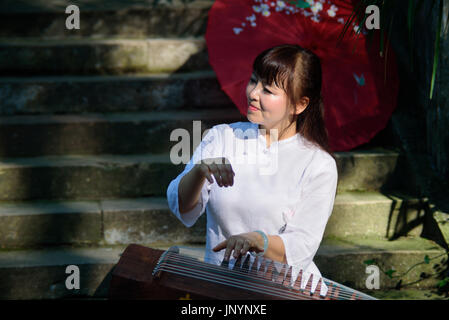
(443, 282)
(389, 273)
(412, 12)
(369, 262)
(447, 23)
(356, 12)
(426, 259)
(436, 53)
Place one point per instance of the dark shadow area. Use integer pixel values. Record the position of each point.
(408, 216)
(415, 179)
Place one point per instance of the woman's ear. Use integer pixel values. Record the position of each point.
(302, 105)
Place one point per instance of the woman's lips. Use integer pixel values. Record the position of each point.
(253, 108)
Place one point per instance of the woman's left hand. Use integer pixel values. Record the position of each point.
(241, 244)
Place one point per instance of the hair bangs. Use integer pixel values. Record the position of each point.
(272, 71)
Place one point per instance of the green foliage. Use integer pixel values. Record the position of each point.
(387, 9)
(389, 273)
(392, 274)
(443, 282)
(369, 262)
(436, 55)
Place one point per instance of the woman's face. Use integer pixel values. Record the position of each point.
(267, 105)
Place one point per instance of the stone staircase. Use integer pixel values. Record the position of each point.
(85, 123)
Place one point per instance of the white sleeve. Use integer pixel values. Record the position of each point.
(304, 231)
(206, 149)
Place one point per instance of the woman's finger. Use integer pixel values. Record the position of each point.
(209, 177)
(229, 247)
(246, 247)
(223, 174)
(220, 246)
(225, 169)
(231, 178)
(217, 174)
(227, 174)
(205, 171)
(237, 248)
(229, 169)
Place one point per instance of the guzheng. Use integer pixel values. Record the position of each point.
(146, 273)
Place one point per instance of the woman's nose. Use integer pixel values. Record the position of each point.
(254, 92)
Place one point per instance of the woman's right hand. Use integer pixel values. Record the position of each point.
(220, 168)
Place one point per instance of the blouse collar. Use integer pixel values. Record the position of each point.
(289, 140)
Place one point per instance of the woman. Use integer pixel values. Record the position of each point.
(280, 212)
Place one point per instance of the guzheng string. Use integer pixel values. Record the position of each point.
(186, 266)
(261, 278)
(178, 266)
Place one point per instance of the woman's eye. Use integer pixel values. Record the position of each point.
(252, 80)
(266, 90)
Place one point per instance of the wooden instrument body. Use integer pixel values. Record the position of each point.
(132, 279)
(140, 275)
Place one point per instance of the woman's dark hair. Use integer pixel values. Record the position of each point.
(298, 72)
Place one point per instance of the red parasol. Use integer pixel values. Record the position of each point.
(359, 87)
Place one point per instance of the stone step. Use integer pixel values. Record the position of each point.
(116, 176)
(371, 169)
(101, 56)
(41, 274)
(409, 294)
(416, 261)
(105, 18)
(103, 94)
(111, 222)
(149, 221)
(112, 133)
(373, 214)
(86, 177)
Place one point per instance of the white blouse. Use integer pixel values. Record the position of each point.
(287, 190)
